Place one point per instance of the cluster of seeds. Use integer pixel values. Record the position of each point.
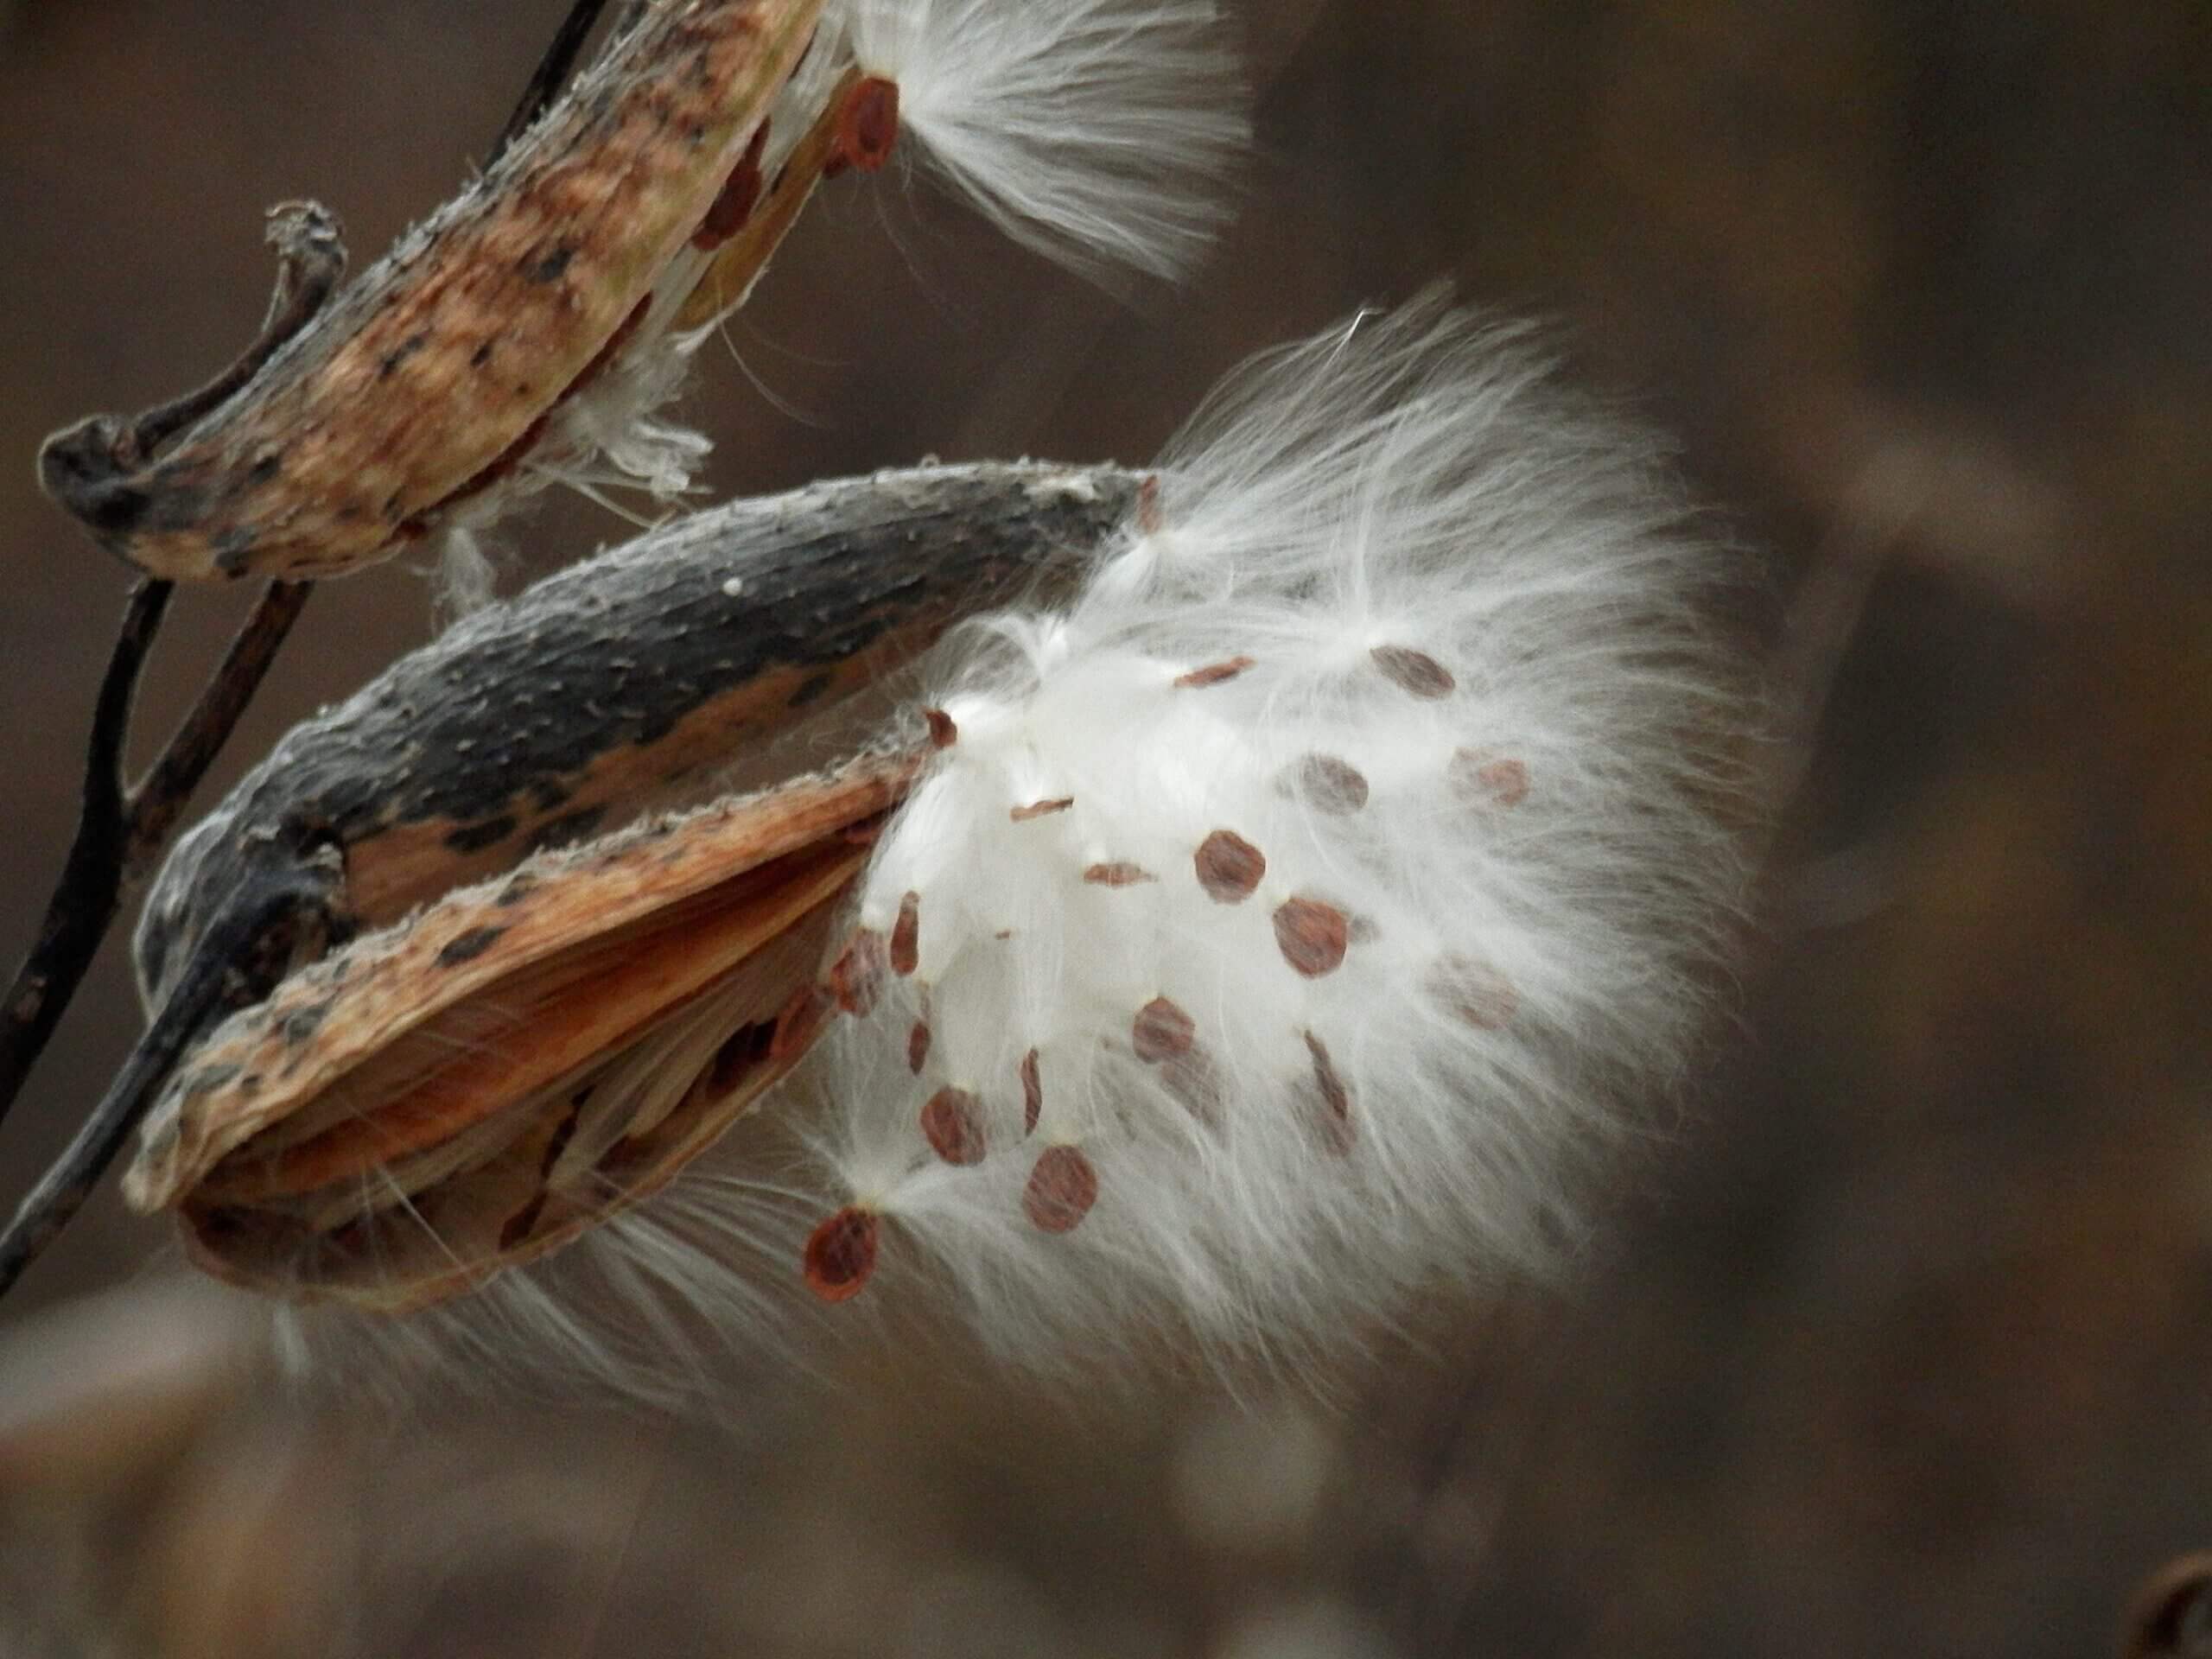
(961, 1119)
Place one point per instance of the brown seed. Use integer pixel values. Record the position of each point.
(1334, 1095)
(841, 1253)
(1148, 516)
(1313, 936)
(867, 125)
(952, 1122)
(1475, 991)
(1040, 808)
(1416, 671)
(1062, 1188)
(918, 1047)
(1492, 780)
(1215, 673)
(1033, 1092)
(1162, 1031)
(1329, 785)
(944, 732)
(906, 936)
(1120, 873)
(858, 976)
(800, 1022)
(1230, 866)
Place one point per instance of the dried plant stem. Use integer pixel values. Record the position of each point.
(121, 828)
(552, 73)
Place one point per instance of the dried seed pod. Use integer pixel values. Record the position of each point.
(511, 300)
(370, 1134)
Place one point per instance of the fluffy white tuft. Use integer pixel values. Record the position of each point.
(1101, 132)
(1324, 880)
(1294, 914)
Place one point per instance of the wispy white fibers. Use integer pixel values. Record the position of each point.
(1286, 920)
(1295, 908)
(1100, 131)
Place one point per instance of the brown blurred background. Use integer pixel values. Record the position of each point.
(1900, 1340)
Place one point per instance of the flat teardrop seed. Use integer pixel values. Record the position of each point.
(906, 936)
(1229, 867)
(952, 1122)
(1062, 1188)
(841, 1255)
(1416, 671)
(1311, 936)
(1162, 1031)
(1033, 1092)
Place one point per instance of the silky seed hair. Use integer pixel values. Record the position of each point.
(1281, 931)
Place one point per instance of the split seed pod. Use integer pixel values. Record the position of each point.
(531, 331)
(436, 1065)
(507, 303)
(1270, 928)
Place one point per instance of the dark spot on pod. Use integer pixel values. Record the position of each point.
(1216, 673)
(1120, 873)
(388, 364)
(1416, 671)
(209, 1078)
(466, 947)
(1336, 1098)
(301, 1024)
(734, 203)
(475, 837)
(1230, 866)
(857, 978)
(482, 354)
(800, 1022)
(1494, 780)
(550, 267)
(1311, 934)
(906, 936)
(232, 546)
(810, 688)
(918, 1046)
(742, 1050)
(1033, 1092)
(944, 732)
(952, 1122)
(1062, 1188)
(518, 887)
(867, 123)
(841, 1253)
(1474, 991)
(1162, 1031)
(1040, 808)
(1329, 785)
(266, 467)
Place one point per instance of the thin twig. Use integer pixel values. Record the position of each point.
(91, 887)
(170, 783)
(551, 74)
(120, 833)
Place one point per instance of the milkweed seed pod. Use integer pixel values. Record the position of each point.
(531, 331)
(1267, 932)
